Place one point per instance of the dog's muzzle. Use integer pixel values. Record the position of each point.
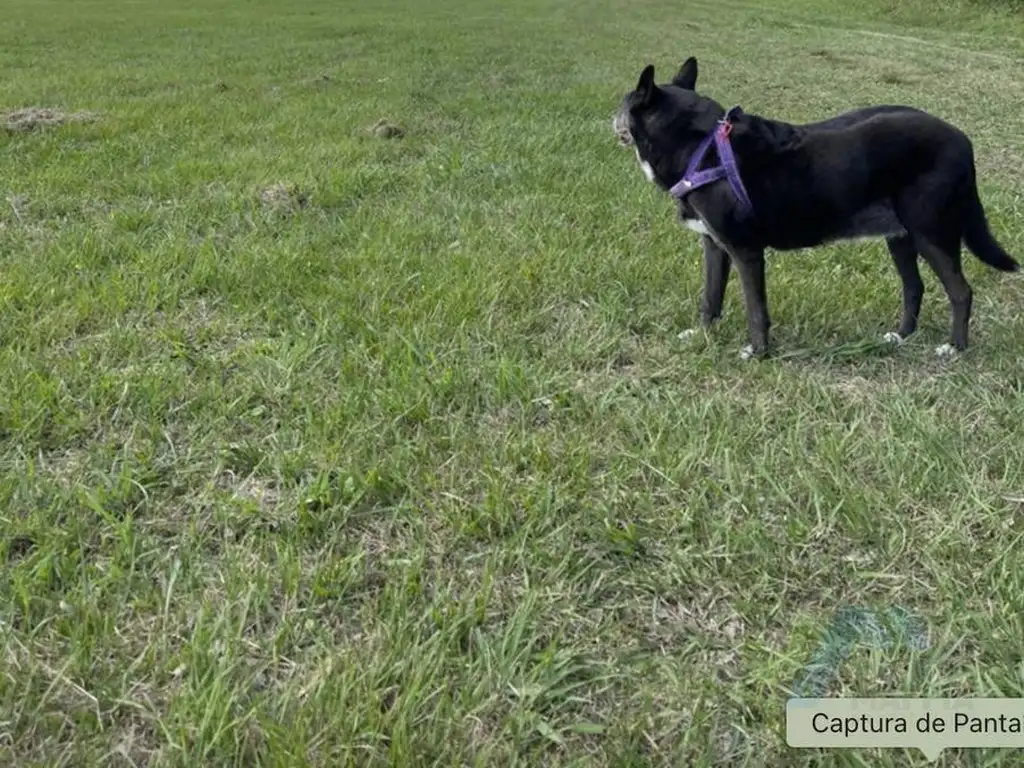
(620, 124)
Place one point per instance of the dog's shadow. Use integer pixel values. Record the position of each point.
(845, 352)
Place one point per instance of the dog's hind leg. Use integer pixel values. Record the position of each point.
(933, 217)
(904, 255)
(944, 260)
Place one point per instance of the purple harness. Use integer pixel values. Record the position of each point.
(695, 179)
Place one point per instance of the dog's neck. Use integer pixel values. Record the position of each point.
(754, 140)
(758, 137)
(666, 168)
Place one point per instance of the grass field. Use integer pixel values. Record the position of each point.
(417, 471)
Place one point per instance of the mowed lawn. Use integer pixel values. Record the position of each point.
(403, 463)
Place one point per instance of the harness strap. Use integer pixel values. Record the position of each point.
(695, 179)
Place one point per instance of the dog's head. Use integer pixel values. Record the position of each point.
(660, 120)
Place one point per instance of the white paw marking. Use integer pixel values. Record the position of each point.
(747, 352)
(945, 350)
(648, 171)
(688, 334)
(698, 226)
(893, 338)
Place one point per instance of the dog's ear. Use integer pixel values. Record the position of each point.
(687, 75)
(645, 86)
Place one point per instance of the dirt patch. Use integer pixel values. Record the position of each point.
(283, 198)
(29, 119)
(384, 129)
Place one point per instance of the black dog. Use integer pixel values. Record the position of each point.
(889, 171)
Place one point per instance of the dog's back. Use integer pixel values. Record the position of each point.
(854, 116)
(851, 175)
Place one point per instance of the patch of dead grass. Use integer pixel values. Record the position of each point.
(250, 488)
(385, 129)
(27, 119)
(283, 198)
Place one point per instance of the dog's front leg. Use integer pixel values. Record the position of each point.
(716, 277)
(750, 264)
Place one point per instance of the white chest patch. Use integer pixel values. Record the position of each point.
(644, 165)
(697, 226)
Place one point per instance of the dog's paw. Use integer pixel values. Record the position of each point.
(945, 350)
(687, 335)
(747, 353)
(893, 338)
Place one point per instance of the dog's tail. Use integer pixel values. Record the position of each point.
(979, 239)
